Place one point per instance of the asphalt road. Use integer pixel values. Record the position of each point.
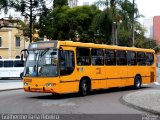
(99, 102)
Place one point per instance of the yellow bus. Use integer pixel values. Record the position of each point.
(66, 67)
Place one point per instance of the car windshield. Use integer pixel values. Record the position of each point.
(42, 63)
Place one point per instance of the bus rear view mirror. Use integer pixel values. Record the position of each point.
(21, 57)
(25, 53)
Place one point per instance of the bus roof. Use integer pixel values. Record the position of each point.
(93, 45)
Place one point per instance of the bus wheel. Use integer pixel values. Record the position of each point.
(137, 82)
(84, 88)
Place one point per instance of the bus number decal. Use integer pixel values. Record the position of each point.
(98, 71)
(27, 80)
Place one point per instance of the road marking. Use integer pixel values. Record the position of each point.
(145, 84)
(67, 104)
(157, 83)
(61, 103)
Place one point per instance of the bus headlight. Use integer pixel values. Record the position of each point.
(26, 84)
(49, 84)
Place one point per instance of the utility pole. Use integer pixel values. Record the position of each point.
(116, 34)
(113, 34)
(31, 21)
(133, 26)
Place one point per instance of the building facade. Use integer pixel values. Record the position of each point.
(72, 3)
(11, 43)
(156, 29)
(85, 3)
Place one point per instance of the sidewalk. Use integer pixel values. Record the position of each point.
(4, 86)
(147, 100)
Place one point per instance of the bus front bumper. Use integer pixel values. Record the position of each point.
(42, 89)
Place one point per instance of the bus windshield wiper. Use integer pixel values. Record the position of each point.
(44, 51)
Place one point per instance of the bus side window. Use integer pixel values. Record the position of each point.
(149, 59)
(131, 58)
(141, 59)
(110, 57)
(8, 63)
(83, 56)
(1, 64)
(97, 56)
(18, 63)
(121, 58)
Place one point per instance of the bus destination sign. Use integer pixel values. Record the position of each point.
(42, 45)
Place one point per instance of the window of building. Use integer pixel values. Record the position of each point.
(67, 63)
(149, 58)
(18, 42)
(83, 56)
(121, 58)
(131, 58)
(110, 57)
(97, 56)
(0, 41)
(141, 59)
(8, 63)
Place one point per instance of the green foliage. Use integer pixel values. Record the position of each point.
(68, 23)
(59, 3)
(120, 12)
(87, 23)
(4, 5)
(28, 8)
(124, 38)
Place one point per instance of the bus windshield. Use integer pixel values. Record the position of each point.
(42, 63)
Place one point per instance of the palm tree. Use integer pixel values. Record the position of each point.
(103, 22)
(119, 12)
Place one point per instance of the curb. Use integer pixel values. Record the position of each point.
(11, 89)
(124, 102)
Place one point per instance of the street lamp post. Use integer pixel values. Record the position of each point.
(114, 33)
(117, 28)
(133, 26)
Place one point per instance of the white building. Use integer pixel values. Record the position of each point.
(72, 3)
(85, 3)
(148, 25)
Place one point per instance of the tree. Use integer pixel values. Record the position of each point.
(59, 3)
(30, 8)
(119, 16)
(4, 5)
(70, 23)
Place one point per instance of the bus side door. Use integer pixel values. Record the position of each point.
(68, 82)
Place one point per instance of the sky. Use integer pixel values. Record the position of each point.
(148, 8)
